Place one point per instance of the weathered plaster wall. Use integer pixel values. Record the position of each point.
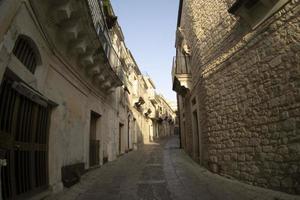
(70, 120)
(248, 89)
(69, 141)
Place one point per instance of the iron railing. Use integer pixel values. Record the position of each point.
(181, 65)
(112, 56)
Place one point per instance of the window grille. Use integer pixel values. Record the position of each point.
(24, 51)
(24, 127)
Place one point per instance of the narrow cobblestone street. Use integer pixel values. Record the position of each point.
(150, 100)
(161, 171)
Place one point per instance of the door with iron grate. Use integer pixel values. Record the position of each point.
(24, 125)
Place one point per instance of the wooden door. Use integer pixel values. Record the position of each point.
(196, 137)
(94, 143)
(128, 133)
(24, 125)
(120, 137)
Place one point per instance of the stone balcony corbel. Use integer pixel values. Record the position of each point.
(70, 32)
(111, 90)
(78, 46)
(94, 71)
(179, 36)
(73, 35)
(62, 11)
(114, 84)
(181, 42)
(100, 79)
(87, 60)
(100, 58)
(106, 85)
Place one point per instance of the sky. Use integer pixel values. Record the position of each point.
(149, 29)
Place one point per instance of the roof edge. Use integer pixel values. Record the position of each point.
(179, 13)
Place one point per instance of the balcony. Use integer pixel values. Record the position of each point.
(140, 102)
(113, 58)
(157, 116)
(181, 74)
(148, 113)
(124, 78)
(78, 32)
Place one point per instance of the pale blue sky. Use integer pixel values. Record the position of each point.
(149, 28)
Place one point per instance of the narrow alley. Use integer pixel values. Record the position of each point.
(149, 100)
(162, 171)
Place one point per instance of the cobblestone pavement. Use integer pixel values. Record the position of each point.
(161, 171)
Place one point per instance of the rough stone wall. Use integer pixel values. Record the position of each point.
(205, 25)
(248, 86)
(181, 122)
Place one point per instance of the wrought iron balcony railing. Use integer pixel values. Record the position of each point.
(113, 58)
(181, 65)
(181, 73)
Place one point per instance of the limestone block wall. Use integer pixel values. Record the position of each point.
(187, 126)
(248, 88)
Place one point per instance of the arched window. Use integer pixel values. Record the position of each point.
(26, 51)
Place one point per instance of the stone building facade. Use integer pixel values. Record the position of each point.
(237, 73)
(69, 96)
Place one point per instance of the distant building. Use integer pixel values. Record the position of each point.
(173, 105)
(166, 117)
(236, 74)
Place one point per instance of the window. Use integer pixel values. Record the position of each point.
(255, 12)
(25, 51)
